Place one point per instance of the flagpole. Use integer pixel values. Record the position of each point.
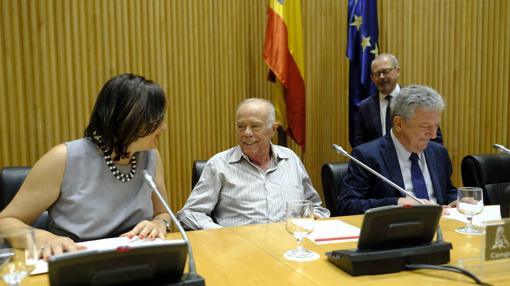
(282, 137)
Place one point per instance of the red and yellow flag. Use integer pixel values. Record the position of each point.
(283, 53)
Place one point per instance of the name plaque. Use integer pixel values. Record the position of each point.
(497, 240)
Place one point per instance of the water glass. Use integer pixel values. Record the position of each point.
(300, 222)
(469, 203)
(18, 254)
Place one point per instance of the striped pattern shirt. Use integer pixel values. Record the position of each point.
(233, 191)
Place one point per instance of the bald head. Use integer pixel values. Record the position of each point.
(264, 105)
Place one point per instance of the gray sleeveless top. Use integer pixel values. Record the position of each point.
(93, 203)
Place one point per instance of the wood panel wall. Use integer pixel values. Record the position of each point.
(55, 55)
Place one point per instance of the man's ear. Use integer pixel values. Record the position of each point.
(397, 122)
(275, 127)
(397, 71)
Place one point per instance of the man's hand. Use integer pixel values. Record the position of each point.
(453, 204)
(412, 202)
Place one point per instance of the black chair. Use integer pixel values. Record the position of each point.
(505, 203)
(11, 179)
(491, 172)
(332, 175)
(196, 171)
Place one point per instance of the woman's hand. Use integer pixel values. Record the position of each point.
(57, 245)
(148, 229)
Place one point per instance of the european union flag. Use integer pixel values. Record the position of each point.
(362, 47)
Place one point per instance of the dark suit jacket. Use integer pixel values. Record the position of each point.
(361, 190)
(369, 122)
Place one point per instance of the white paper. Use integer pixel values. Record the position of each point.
(101, 244)
(489, 213)
(333, 231)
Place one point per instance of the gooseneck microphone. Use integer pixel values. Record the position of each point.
(192, 274)
(501, 148)
(341, 151)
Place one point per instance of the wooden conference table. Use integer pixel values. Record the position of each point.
(253, 255)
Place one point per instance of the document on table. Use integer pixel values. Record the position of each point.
(491, 212)
(101, 244)
(333, 231)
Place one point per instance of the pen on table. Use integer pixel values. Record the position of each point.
(336, 238)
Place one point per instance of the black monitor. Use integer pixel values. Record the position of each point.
(395, 226)
(142, 264)
(392, 237)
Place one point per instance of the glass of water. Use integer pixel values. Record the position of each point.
(18, 254)
(300, 222)
(470, 203)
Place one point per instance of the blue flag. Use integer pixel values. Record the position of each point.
(362, 47)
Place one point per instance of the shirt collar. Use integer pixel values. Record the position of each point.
(401, 150)
(238, 154)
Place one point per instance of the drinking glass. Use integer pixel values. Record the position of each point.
(300, 222)
(18, 254)
(470, 203)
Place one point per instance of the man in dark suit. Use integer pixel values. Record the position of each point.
(405, 156)
(373, 115)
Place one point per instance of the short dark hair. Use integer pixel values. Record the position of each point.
(128, 107)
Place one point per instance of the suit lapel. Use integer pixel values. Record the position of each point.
(391, 162)
(376, 115)
(432, 166)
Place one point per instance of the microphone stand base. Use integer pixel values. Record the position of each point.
(365, 262)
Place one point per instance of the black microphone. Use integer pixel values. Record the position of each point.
(193, 278)
(341, 151)
(501, 148)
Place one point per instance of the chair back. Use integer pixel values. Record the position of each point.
(332, 175)
(11, 179)
(491, 172)
(505, 203)
(196, 171)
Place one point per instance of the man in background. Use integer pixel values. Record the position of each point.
(405, 156)
(374, 111)
(249, 183)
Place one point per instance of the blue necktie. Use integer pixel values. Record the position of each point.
(419, 187)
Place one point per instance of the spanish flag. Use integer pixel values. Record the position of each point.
(283, 53)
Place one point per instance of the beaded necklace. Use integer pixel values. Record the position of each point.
(109, 162)
(120, 176)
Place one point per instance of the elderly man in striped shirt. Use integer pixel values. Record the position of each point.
(251, 182)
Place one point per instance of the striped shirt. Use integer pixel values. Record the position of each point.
(233, 191)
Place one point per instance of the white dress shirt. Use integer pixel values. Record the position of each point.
(383, 105)
(405, 168)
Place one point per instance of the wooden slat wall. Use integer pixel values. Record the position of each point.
(56, 54)
(462, 49)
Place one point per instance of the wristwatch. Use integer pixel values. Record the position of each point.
(165, 223)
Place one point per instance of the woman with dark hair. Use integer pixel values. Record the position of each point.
(94, 187)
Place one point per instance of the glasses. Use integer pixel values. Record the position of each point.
(384, 72)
